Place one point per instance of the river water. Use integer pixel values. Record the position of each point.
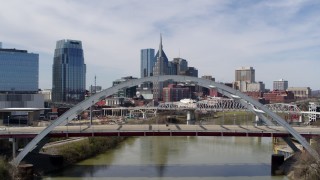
(177, 158)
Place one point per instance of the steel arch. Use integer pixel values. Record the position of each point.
(225, 90)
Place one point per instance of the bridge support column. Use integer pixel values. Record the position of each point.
(258, 121)
(190, 116)
(300, 119)
(276, 161)
(14, 146)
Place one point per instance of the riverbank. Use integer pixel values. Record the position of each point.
(5, 169)
(76, 151)
(57, 157)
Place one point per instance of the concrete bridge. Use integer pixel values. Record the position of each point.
(159, 130)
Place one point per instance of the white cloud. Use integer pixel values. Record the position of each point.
(214, 36)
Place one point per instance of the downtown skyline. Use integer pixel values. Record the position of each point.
(279, 39)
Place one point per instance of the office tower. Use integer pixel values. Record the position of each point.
(281, 85)
(147, 62)
(192, 71)
(245, 74)
(146, 66)
(0, 45)
(19, 85)
(181, 66)
(68, 72)
(19, 71)
(160, 68)
(243, 77)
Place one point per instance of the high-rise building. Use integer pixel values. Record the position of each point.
(19, 71)
(192, 71)
(68, 72)
(181, 65)
(19, 85)
(146, 66)
(281, 85)
(245, 80)
(160, 68)
(246, 74)
(147, 62)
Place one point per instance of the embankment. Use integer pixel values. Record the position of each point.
(5, 169)
(57, 157)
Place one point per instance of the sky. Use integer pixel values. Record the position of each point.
(278, 38)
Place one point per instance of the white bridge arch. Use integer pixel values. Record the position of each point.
(245, 100)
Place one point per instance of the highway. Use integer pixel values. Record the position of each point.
(158, 130)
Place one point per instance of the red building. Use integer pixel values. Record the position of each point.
(279, 96)
(257, 95)
(175, 93)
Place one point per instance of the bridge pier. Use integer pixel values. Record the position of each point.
(14, 146)
(190, 116)
(276, 161)
(258, 121)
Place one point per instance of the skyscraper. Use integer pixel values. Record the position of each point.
(19, 71)
(68, 72)
(160, 68)
(146, 66)
(19, 81)
(147, 62)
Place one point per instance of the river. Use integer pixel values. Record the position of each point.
(177, 158)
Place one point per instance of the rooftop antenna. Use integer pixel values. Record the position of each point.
(95, 84)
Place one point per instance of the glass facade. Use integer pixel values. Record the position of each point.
(147, 62)
(19, 71)
(69, 72)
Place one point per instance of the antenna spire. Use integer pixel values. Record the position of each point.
(160, 46)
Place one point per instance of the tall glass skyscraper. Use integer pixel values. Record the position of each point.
(146, 65)
(147, 62)
(19, 71)
(68, 72)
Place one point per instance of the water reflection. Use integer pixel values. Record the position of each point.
(222, 170)
(174, 157)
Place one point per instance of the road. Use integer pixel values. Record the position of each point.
(158, 130)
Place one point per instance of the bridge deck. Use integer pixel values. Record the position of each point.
(158, 130)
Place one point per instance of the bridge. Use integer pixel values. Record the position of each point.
(158, 130)
(212, 104)
(264, 113)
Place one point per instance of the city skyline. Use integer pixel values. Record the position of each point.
(276, 38)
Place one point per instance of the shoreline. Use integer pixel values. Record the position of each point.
(60, 156)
